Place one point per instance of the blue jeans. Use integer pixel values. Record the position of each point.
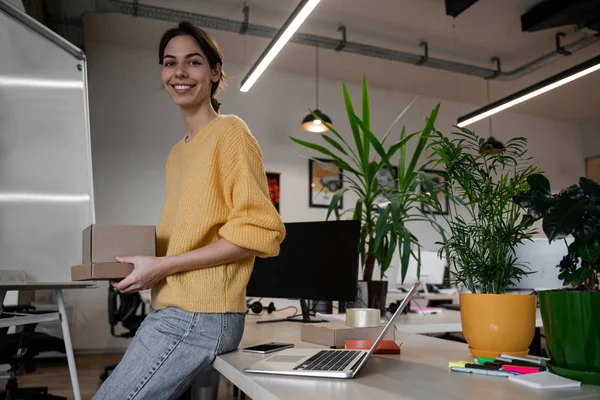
(169, 350)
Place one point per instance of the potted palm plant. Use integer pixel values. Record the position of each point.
(484, 228)
(570, 315)
(383, 223)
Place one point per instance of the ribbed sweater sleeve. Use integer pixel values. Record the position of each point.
(253, 223)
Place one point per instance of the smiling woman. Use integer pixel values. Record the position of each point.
(217, 217)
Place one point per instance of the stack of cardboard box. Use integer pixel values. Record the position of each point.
(103, 243)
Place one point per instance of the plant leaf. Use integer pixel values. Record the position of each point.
(539, 183)
(337, 160)
(334, 203)
(381, 227)
(398, 119)
(369, 136)
(335, 144)
(590, 188)
(353, 125)
(358, 210)
(564, 217)
(589, 250)
(405, 256)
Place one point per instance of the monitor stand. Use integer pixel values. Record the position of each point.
(305, 317)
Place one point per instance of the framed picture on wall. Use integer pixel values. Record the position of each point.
(592, 168)
(274, 191)
(439, 181)
(325, 180)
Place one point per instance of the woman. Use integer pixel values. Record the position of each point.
(216, 218)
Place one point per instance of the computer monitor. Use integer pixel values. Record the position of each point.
(433, 269)
(541, 258)
(317, 261)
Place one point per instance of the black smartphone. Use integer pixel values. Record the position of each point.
(268, 347)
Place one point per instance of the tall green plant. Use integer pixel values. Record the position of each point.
(481, 246)
(383, 227)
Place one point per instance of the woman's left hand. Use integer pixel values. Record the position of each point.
(146, 273)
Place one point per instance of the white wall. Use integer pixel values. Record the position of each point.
(134, 125)
(590, 133)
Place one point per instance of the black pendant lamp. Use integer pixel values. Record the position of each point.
(491, 145)
(310, 123)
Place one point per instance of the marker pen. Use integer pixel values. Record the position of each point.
(482, 371)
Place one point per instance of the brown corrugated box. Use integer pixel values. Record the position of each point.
(333, 334)
(103, 243)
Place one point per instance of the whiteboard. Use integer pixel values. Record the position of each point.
(46, 188)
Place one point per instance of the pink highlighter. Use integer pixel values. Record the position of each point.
(520, 369)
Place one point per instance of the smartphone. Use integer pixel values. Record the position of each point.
(268, 347)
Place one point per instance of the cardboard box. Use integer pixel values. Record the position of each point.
(103, 243)
(334, 334)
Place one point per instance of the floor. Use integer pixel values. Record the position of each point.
(54, 373)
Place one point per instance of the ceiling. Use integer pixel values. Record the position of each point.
(489, 28)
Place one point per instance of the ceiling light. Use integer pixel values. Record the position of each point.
(314, 125)
(311, 123)
(532, 91)
(284, 34)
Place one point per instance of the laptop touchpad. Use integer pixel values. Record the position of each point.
(285, 358)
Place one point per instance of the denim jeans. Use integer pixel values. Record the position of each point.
(170, 349)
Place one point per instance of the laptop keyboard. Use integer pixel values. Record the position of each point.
(328, 360)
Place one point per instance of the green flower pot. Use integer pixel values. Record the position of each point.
(572, 328)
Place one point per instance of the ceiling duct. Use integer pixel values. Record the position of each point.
(456, 7)
(551, 14)
(64, 17)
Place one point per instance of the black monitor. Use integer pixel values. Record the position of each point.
(317, 261)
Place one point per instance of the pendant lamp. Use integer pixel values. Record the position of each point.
(491, 145)
(310, 123)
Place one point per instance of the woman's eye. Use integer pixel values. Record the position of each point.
(169, 64)
(194, 62)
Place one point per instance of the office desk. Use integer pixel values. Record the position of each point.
(24, 318)
(445, 321)
(420, 372)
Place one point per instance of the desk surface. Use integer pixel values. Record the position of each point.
(420, 372)
(445, 321)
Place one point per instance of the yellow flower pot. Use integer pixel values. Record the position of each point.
(495, 324)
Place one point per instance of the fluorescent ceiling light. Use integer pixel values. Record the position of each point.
(45, 198)
(39, 83)
(532, 91)
(302, 11)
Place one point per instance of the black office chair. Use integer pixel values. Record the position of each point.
(123, 308)
(19, 350)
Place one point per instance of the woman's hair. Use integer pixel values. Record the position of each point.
(209, 47)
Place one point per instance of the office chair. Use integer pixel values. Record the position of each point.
(123, 307)
(19, 350)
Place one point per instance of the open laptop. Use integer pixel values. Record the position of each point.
(334, 363)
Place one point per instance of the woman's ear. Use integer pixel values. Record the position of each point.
(217, 73)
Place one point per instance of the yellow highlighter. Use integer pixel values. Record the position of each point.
(460, 364)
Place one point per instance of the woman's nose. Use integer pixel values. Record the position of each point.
(180, 71)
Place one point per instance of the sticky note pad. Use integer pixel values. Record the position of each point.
(544, 380)
(384, 347)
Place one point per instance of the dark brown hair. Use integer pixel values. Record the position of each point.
(209, 47)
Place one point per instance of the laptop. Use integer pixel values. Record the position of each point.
(334, 363)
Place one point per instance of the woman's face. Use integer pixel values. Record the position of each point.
(186, 73)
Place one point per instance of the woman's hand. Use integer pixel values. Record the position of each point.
(147, 271)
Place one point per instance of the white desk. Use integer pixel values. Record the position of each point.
(23, 318)
(420, 372)
(445, 321)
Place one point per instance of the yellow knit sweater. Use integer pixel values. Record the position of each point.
(216, 187)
